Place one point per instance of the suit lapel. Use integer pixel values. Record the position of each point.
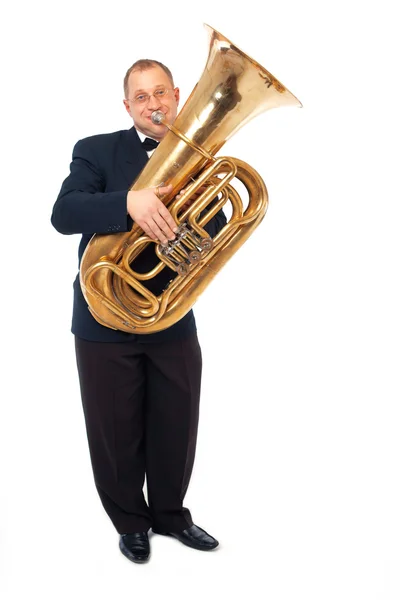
(132, 156)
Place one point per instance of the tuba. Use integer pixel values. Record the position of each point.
(233, 89)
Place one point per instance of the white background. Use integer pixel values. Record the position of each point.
(297, 466)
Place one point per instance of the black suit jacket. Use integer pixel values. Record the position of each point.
(93, 200)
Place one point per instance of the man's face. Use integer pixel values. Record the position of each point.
(142, 83)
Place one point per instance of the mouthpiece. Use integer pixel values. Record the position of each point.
(157, 117)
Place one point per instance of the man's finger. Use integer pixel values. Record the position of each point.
(161, 191)
(156, 231)
(163, 225)
(166, 215)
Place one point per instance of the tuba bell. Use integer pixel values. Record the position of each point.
(233, 89)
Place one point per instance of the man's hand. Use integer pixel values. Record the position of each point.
(147, 210)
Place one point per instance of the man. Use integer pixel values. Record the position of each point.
(140, 393)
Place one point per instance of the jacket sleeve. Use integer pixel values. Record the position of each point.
(82, 205)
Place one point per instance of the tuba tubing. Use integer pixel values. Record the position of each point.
(232, 90)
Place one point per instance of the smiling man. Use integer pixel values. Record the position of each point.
(140, 393)
(142, 97)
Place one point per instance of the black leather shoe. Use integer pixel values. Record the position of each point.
(135, 546)
(195, 537)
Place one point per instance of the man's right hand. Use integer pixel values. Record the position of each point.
(147, 210)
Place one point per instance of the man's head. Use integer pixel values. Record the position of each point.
(148, 86)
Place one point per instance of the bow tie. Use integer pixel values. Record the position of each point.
(149, 144)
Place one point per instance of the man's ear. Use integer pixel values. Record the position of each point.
(177, 95)
(128, 108)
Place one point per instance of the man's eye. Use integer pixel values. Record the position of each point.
(141, 98)
(160, 93)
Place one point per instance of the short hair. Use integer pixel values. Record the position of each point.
(143, 65)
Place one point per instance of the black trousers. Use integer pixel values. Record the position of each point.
(141, 407)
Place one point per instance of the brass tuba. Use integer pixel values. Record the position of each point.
(233, 89)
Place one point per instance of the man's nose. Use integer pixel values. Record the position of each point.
(153, 102)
